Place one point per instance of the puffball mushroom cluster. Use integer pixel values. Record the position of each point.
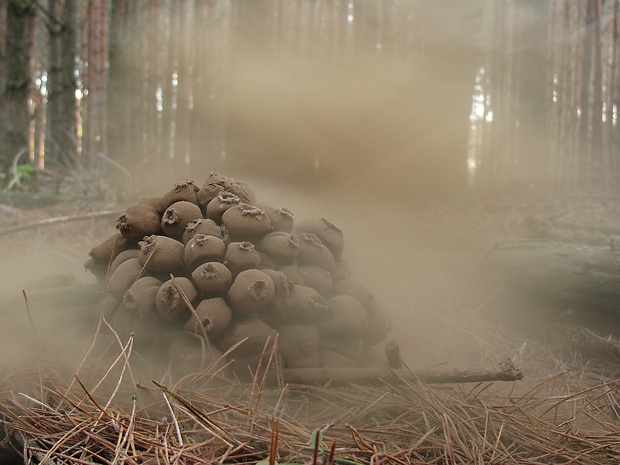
(213, 261)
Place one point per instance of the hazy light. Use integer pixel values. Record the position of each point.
(175, 79)
(478, 108)
(43, 84)
(159, 99)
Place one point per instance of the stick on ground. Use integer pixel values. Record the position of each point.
(321, 376)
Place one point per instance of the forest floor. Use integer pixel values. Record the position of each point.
(565, 409)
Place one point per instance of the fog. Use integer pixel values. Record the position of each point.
(373, 142)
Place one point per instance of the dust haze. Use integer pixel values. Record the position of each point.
(367, 143)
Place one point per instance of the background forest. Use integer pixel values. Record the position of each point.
(429, 96)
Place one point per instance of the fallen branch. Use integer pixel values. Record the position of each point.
(321, 376)
(58, 220)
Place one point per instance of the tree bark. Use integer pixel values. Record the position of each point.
(14, 117)
(3, 44)
(62, 82)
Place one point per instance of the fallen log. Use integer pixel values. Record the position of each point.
(567, 282)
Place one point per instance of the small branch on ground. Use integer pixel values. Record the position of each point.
(58, 220)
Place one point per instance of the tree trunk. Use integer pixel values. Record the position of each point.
(125, 110)
(594, 102)
(95, 101)
(3, 45)
(14, 117)
(62, 108)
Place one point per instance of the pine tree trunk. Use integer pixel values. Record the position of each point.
(614, 137)
(62, 108)
(530, 93)
(14, 117)
(3, 43)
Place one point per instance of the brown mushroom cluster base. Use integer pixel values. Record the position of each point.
(211, 270)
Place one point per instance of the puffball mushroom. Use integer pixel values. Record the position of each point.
(212, 278)
(281, 218)
(311, 251)
(243, 273)
(245, 222)
(124, 276)
(138, 221)
(162, 255)
(222, 202)
(250, 291)
(201, 226)
(140, 297)
(330, 235)
(213, 315)
(201, 249)
(280, 246)
(241, 256)
(177, 216)
(170, 302)
(182, 191)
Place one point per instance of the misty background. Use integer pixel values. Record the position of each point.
(379, 115)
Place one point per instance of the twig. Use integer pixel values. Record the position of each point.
(126, 352)
(332, 450)
(128, 433)
(174, 419)
(450, 457)
(103, 411)
(199, 416)
(272, 355)
(273, 443)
